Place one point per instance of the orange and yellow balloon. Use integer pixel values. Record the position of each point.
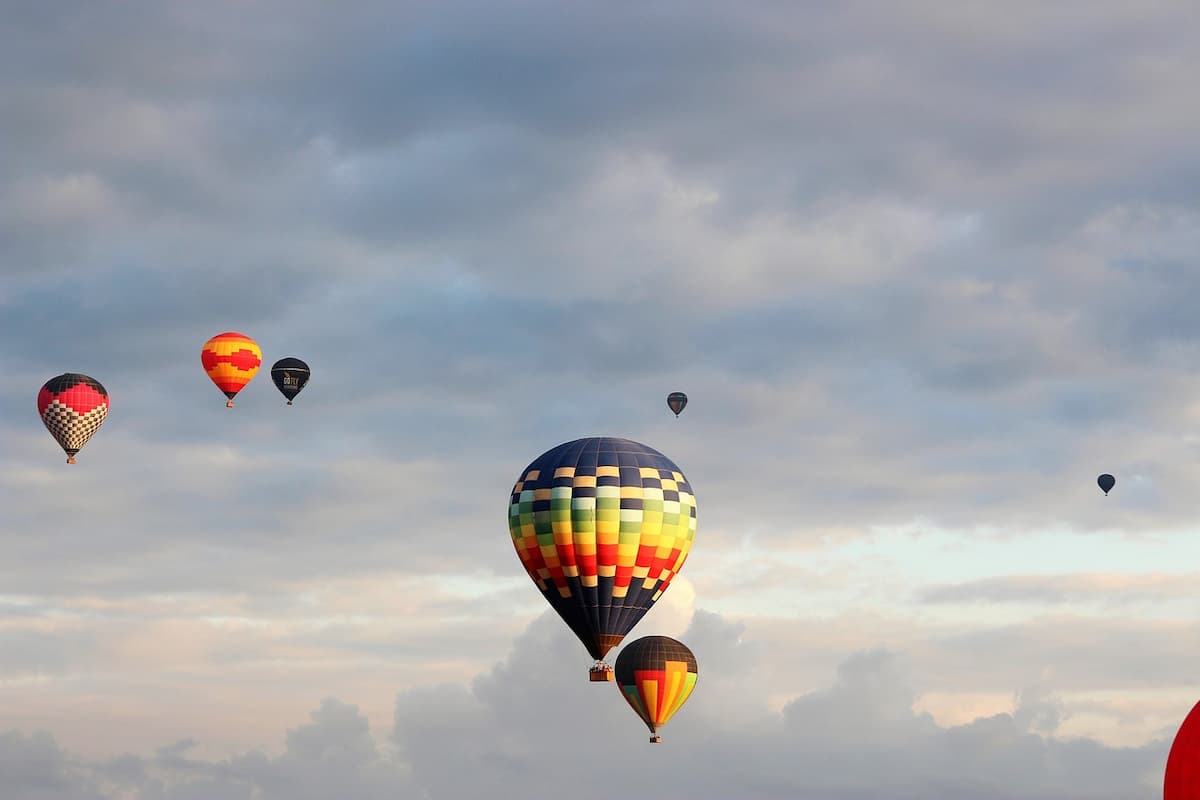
(231, 360)
(656, 675)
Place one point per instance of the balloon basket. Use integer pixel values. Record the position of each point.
(656, 739)
(600, 673)
(71, 460)
(229, 404)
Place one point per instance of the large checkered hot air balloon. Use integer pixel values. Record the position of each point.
(72, 407)
(231, 360)
(602, 525)
(656, 675)
(1182, 778)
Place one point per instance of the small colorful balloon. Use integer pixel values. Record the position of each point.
(290, 376)
(72, 407)
(656, 675)
(231, 360)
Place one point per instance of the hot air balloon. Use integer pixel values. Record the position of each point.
(677, 401)
(290, 376)
(1182, 778)
(1106, 482)
(72, 407)
(602, 525)
(231, 360)
(656, 675)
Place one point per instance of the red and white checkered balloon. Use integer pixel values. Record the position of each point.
(72, 406)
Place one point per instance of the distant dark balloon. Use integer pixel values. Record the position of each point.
(1106, 482)
(1181, 780)
(676, 401)
(656, 675)
(290, 376)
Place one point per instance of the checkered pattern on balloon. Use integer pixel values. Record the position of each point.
(602, 525)
(72, 407)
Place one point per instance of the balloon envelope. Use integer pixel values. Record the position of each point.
(1182, 778)
(656, 675)
(1106, 482)
(676, 401)
(72, 407)
(602, 525)
(290, 375)
(231, 360)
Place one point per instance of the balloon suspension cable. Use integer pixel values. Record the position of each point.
(229, 404)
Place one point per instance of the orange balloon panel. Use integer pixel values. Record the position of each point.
(231, 360)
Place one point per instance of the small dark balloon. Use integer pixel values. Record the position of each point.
(676, 401)
(1106, 482)
(290, 376)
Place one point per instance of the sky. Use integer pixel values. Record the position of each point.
(923, 269)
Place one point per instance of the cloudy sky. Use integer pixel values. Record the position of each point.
(924, 269)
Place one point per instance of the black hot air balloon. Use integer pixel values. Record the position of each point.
(677, 401)
(290, 375)
(656, 675)
(1106, 482)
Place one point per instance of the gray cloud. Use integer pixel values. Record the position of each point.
(32, 652)
(533, 725)
(1059, 589)
(35, 768)
(858, 324)
(1082, 653)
